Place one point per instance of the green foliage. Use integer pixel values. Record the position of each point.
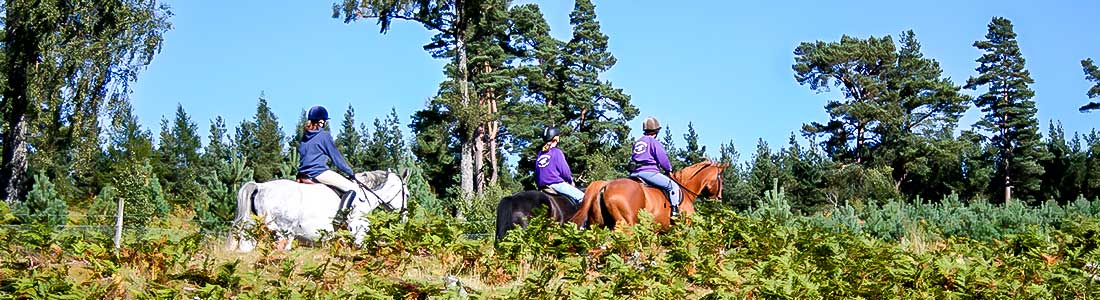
(177, 163)
(692, 153)
(386, 147)
(43, 205)
(349, 141)
(925, 251)
(1009, 111)
(260, 140)
(215, 208)
(434, 148)
(62, 61)
(898, 107)
(140, 191)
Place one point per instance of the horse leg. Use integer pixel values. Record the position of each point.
(359, 227)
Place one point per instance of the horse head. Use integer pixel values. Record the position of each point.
(703, 179)
(391, 189)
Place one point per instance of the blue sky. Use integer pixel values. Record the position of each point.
(723, 65)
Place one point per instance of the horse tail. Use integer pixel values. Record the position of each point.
(504, 216)
(245, 197)
(593, 195)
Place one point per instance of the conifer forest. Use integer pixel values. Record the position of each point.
(893, 194)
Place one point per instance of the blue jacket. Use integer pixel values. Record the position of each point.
(315, 151)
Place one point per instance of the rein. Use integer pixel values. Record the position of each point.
(389, 203)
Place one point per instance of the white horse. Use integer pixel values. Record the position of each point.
(295, 210)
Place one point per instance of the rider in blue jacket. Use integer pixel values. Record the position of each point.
(551, 169)
(653, 165)
(316, 149)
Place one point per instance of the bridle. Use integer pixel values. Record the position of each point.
(389, 203)
(699, 194)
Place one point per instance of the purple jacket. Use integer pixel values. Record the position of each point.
(551, 168)
(650, 156)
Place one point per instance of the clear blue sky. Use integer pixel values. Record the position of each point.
(724, 65)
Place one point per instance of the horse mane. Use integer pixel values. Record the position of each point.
(698, 168)
(374, 180)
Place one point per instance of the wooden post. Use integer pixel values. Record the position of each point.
(118, 224)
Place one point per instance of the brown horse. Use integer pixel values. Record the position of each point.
(617, 202)
(519, 207)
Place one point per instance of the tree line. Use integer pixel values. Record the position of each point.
(894, 135)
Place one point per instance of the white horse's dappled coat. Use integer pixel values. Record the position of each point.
(295, 210)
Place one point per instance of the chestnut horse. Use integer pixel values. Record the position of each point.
(617, 202)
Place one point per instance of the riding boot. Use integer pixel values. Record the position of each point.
(342, 212)
(347, 198)
(675, 211)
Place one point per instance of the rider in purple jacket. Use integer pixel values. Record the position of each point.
(652, 163)
(551, 169)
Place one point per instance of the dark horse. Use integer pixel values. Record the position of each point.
(518, 207)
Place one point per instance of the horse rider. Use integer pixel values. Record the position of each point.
(552, 170)
(652, 164)
(316, 149)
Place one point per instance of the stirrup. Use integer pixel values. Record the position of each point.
(675, 211)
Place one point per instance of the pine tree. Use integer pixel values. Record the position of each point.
(1064, 167)
(1091, 180)
(130, 170)
(736, 192)
(674, 153)
(44, 205)
(924, 106)
(435, 150)
(861, 67)
(349, 140)
(178, 155)
(1092, 74)
(386, 149)
(692, 152)
(1009, 111)
(453, 21)
(595, 108)
(261, 142)
(224, 172)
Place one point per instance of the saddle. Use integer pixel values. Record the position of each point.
(646, 185)
(642, 182)
(306, 181)
(554, 194)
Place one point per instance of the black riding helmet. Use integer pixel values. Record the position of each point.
(549, 133)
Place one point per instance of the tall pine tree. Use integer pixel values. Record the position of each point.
(261, 142)
(1092, 74)
(596, 110)
(349, 140)
(1009, 111)
(178, 162)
